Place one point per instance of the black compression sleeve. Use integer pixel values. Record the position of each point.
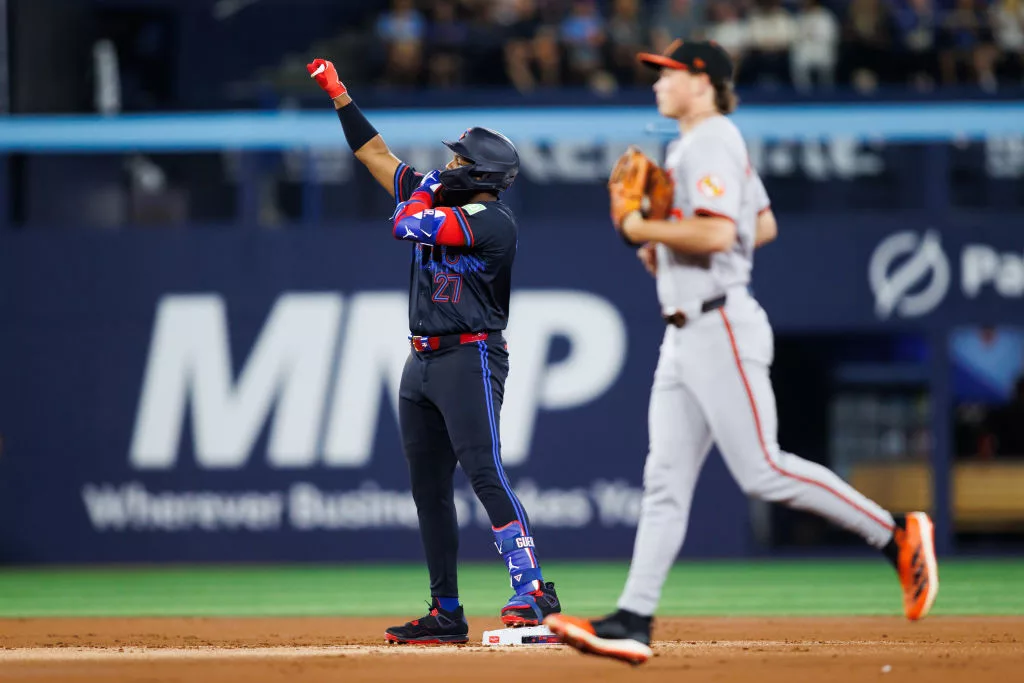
(358, 131)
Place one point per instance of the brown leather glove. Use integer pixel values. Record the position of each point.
(638, 184)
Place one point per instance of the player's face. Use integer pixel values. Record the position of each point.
(671, 91)
(675, 91)
(456, 162)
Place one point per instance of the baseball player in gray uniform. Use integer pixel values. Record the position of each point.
(712, 380)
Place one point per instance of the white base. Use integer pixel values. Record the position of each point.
(527, 635)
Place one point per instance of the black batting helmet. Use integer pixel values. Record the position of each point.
(495, 162)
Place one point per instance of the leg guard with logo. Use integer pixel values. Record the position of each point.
(517, 551)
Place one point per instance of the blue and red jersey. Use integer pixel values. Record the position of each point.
(461, 275)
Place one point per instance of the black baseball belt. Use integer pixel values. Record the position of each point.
(679, 318)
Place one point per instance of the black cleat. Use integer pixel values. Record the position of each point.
(622, 635)
(436, 628)
(624, 625)
(530, 609)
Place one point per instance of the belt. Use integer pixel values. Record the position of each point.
(446, 340)
(679, 318)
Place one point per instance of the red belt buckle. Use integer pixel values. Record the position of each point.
(472, 338)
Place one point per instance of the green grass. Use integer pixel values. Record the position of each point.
(836, 588)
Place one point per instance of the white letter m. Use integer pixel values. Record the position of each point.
(190, 363)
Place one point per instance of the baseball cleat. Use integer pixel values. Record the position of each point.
(624, 636)
(531, 608)
(438, 627)
(916, 564)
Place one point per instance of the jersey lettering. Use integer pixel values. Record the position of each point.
(460, 279)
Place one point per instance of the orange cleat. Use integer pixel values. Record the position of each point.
(916, 564)
(621, 636)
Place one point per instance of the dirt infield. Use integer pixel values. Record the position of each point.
(351, 651)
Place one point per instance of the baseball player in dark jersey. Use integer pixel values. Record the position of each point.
(463, 241)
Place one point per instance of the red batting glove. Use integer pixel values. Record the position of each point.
(326, 76)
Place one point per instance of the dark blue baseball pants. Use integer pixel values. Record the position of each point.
(449, 406)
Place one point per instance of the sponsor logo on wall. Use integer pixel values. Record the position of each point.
(304, 506)
(322, 372)
(910, 274)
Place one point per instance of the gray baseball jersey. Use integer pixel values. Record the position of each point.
(713, 177)
(712, 382)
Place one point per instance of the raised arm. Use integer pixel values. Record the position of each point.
(367, 144)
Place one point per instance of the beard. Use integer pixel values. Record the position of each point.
(455, 197)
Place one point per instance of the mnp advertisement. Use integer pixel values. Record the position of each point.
(231, 395)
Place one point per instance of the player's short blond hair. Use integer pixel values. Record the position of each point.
(725, 97)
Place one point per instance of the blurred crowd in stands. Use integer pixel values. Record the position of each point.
(1003, 431)
(808, 44)
(988, 383)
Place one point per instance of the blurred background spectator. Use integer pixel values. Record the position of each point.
(728, 29)
(485, 49)
(772, 32)
(1008, 25)
(917, 24)
(677, 19)
(402, 30)
(968, 53)
(448, 38)
(988, 382)
(583, 36)
(868, 45)
(627, 35)
(815, 46)
(1004, 432)
(531, 48)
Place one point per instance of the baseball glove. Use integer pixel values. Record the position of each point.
(638, 184)
(660, 191)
